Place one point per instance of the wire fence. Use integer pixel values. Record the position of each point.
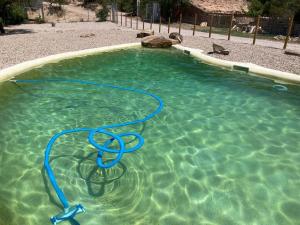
(72, 12)
(219, 26)
(223, 26)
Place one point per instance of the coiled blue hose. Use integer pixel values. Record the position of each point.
(70, 212)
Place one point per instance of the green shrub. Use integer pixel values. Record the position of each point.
(39, 20)
(102, 14)
(16, 14)
(2, 31)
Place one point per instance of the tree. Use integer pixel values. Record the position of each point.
(102, 13)
(11, 12)
(127, 5)
(256, 8)
(169, 8)
(2, 31)
(276, 8)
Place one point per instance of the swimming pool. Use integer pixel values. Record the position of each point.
(224, 150)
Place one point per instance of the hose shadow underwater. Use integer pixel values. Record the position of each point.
(86, 177)
(106, 147)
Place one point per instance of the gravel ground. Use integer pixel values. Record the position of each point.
(31, 41)
(264, 56)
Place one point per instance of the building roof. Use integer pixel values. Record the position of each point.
(221, 6)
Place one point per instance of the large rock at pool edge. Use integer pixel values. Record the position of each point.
(176, 36)
(174, 42)
(154, 41)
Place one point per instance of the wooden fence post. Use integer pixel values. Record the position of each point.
(291, 21)
(117, 18)
(151, 23)
(125, 20)
(180, 20)
(195, 22)
(88, 12)
(230, 26)
(131, 21)
(211, 22)
(43, 13)
(256, 29)
(159, 24)
(137, 23)
(169, 25)
(200, 20)
(121, 19)
(143, 23)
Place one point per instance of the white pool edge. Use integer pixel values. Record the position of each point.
(253, 69)
(11, 72)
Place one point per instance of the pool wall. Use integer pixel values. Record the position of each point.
(252, 69)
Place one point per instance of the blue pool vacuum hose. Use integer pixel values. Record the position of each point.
(71, 212)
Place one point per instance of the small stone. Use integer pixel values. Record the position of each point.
(220, 49)
(87, 35)
(292, 52)
(280, 38)
(144, 33)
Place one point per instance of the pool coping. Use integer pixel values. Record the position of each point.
(250, 68)
(10, 72)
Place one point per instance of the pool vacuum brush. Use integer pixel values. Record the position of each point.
(71, 212)
(67, 214)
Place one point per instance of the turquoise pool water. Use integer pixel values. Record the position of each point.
(224, 150)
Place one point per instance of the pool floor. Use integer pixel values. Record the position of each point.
(224, 150)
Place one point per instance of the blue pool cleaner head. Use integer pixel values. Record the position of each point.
(68, 214)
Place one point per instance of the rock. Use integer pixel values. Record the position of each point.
(203, 24)
(145, 33)
(280, 38)
(52, 24)
(252, 29)
(154, 41)
(292, 52)
(176, 36)
(220, 49)
(174, 42)
(87, 35)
